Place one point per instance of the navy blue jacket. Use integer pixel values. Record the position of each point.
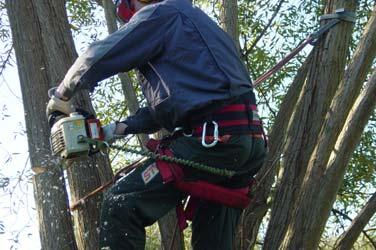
(189, 62)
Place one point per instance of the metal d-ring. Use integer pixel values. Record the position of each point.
(215, 135)
(182, 129)
(105, 150)
(188, 135)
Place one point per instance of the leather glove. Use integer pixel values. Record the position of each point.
(56, 104)
(114, 131)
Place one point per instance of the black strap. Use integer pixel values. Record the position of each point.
(340, 14)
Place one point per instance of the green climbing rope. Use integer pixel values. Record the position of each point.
(199, 166)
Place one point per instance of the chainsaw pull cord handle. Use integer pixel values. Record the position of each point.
(54, 117)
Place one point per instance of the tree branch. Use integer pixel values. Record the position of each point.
(267, 26)
(6, 61)
(348, 238)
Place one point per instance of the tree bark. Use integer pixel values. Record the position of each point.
(348, 238)
(84, 175)
(322, 80)
(229, 19)
(323, 180)
(55, 225)
(56, 46)
(254, 214)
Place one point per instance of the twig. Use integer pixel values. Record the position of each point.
(6, 61)
(262, 33)
(126, 169)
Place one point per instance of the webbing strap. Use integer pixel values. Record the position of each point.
(339, 15)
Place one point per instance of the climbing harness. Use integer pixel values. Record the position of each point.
(170, 170)
(335, 18)
(197, 189)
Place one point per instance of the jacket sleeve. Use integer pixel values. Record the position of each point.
(141, 123)
(131, 46)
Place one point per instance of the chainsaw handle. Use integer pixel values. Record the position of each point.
(54, 117)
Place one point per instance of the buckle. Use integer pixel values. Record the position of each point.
(215, 134)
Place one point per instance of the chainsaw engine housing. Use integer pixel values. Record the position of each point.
(64, 137)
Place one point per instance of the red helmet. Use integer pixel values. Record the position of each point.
(124, 10)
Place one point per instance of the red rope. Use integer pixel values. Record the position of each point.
(283, 62)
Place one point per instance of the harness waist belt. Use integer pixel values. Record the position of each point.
(231, 119)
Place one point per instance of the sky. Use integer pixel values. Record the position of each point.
(17, 210)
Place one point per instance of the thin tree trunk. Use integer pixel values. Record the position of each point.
(229, 19)
(126, 82)
(172, 237)
(55, 225)
(348, 238)
(167, 223)
(253, 215)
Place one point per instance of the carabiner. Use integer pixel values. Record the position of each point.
(215, 135)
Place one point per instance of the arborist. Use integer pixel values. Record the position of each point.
(198, 89)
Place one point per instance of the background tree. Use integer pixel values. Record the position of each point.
(56, 53)
(51, 202)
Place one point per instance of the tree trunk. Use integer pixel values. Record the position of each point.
(58, 52)
(229, 19)
(322, 80)
(348, 238)
(55, 225)
(253, 215)
(172, 237)
(84, 175)
(126, 82)
(324, 176)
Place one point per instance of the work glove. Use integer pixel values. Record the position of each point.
(55, 104)
(114, 131)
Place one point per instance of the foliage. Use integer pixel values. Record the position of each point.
(360, 179)
(81, 13)
(7, 48)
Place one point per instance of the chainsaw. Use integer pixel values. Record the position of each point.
(68, 132)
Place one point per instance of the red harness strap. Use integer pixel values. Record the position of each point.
(232, 119)
(198, 190)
